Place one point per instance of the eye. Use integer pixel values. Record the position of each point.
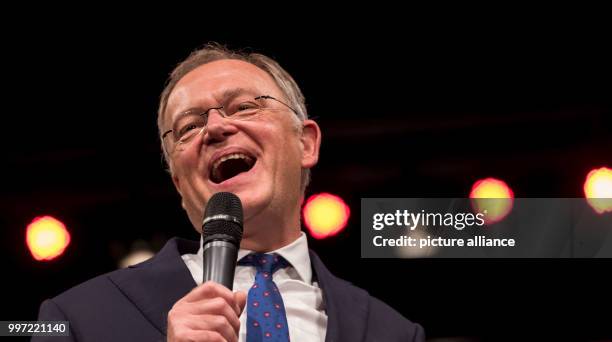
(244, 108)
(189, 124)
(186, 129)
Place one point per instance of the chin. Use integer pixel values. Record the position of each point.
(254, 202)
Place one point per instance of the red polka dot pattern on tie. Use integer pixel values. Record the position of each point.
(266, 317)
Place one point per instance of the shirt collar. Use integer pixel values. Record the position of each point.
(296, 253)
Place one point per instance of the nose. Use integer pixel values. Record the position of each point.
(218, 127)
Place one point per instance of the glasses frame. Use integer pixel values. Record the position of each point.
(223, 114)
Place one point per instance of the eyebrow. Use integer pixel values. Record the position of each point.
(227, 95)
(230, 94)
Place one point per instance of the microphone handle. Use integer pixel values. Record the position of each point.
(220, 262)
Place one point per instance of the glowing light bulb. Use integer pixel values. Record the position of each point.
(325, 215)
(47, 238)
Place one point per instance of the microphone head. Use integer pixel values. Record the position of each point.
(223, 218)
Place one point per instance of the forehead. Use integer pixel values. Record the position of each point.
(206, 83)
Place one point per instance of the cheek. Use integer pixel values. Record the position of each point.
(286, 150)
(186, 163)
(185, 169)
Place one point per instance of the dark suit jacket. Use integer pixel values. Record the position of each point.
(132, 304)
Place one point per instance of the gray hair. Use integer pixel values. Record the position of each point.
(213, 52)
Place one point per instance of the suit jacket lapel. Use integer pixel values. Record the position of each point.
(345, 304)
(155, 285)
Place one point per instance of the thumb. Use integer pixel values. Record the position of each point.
(240, 297)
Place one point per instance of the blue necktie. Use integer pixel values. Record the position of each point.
(266, 317)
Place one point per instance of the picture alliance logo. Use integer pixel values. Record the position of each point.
(411, 220)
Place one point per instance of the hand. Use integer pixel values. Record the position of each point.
(210, 312)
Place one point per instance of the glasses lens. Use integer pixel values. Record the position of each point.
(188, 126)
(243, 108)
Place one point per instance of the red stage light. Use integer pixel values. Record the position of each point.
(47, 238)
(325, 215)
(492, 197)
(598, 189)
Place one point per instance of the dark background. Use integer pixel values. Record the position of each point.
(408, 110)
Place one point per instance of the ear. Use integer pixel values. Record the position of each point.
(311, 142)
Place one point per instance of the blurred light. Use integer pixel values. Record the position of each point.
(47, 238)
(598, 189)
(325, 215)
(417, 251)
(492, 197)
(136, 257)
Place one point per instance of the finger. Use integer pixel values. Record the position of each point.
(210, 289)
(215, 323)
(209, 336)
(216, 306)
(240, 298)
(186, 328)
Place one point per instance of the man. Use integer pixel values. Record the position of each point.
(233, 122)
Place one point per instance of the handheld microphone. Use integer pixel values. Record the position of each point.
(221, 233)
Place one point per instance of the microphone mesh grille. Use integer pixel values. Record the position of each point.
(223, 203)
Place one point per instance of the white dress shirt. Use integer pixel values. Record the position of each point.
(302, 297)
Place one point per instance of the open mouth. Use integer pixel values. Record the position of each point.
(230, 166)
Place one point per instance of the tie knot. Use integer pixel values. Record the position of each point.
(268, 263)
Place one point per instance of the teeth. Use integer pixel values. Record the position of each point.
(227, 157)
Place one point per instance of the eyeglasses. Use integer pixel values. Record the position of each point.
(193, 122)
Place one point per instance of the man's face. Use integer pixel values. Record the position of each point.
(260, 160)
